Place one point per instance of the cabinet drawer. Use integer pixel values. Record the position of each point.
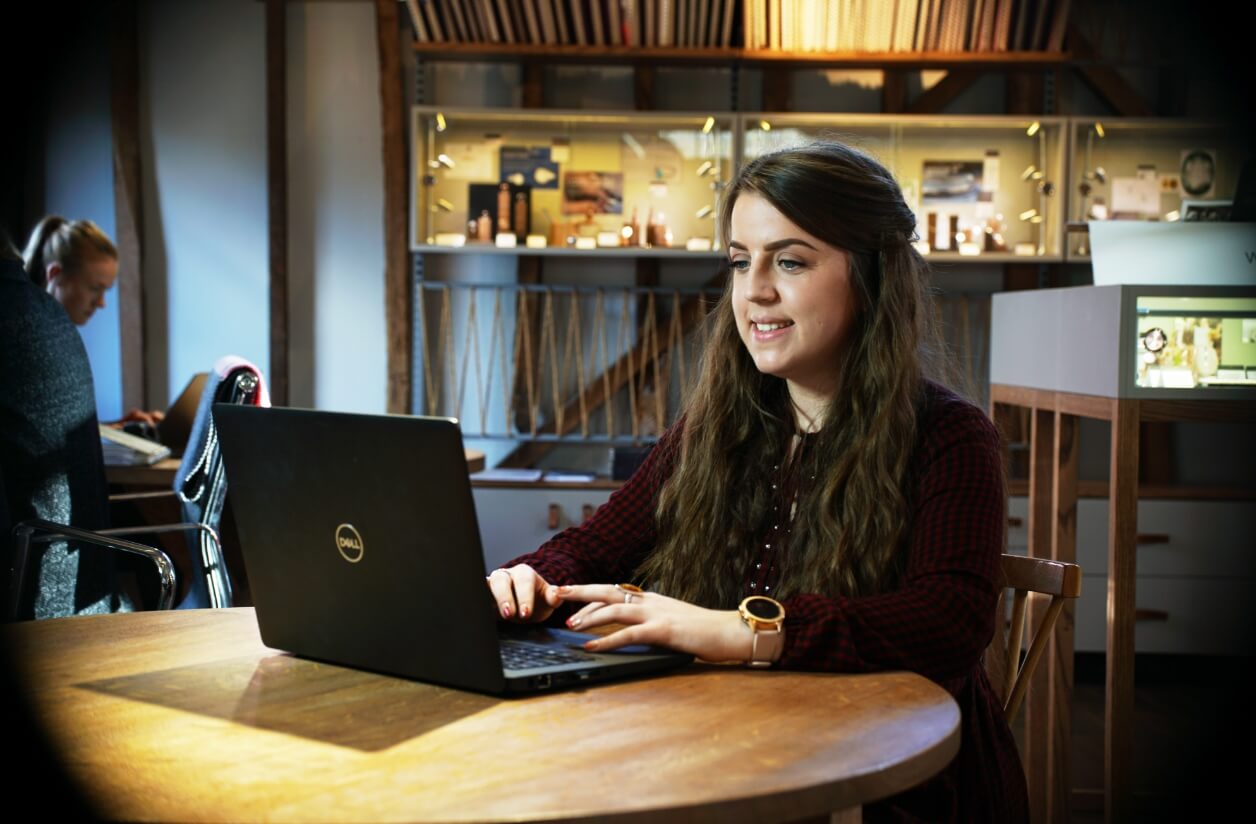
(517, 521)
(1204, 616)
(1208, 538)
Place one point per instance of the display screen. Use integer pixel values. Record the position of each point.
(1194, 342)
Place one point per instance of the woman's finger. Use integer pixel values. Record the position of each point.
(632, 634)
(500, 584)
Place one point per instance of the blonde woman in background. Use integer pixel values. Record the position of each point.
(77, 263)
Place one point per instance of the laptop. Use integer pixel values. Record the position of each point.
(362, 549)
(175, 427)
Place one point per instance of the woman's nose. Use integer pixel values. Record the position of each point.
(762, 288)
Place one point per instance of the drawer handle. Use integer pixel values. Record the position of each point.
(555, 513)
(1151, 615)
(1015, 522)
(1151, 538)
(586, 511)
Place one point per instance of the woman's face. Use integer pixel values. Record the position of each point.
(792, 297)
(83, 292)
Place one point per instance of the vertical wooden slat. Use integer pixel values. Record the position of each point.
(277, 194)
(1119, 677)
(398, 296)
(128, 206)
(1060, 661)
(893, 91)
(643, 87)
(777, 89)
(1041, 528)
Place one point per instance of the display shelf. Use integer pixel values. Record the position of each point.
(980, 175)
(1146, 168)
(652, 178)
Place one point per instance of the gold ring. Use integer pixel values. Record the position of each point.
(629, 590)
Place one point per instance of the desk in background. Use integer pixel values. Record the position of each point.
(186, 716)
(161, 474)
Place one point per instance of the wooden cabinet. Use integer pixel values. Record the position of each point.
(1196, 564)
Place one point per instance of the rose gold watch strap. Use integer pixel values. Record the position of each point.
(766, 647)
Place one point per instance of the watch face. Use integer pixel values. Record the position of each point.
(764, 608)
(1198, 170)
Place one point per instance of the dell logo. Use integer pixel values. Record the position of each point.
(349, 543)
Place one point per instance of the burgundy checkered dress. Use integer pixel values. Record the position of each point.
(937, 622)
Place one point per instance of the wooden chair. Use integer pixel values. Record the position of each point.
(1024, 575)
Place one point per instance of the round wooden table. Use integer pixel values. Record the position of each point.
(187, 716)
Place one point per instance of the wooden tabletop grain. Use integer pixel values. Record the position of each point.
(186, 716)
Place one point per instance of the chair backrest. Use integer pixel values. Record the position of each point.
(201, 483)
(1055, 579)
(50, 452)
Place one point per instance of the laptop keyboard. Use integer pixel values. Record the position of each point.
(526, 655)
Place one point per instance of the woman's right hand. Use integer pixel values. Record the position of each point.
(521, 594)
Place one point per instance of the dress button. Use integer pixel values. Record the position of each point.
(752, 585)
(766, 588)
(758, 566)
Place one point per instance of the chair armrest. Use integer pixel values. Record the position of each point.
(157, 529)
(139, 496)
(36, 531)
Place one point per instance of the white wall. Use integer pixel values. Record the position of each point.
(203, 137)
(336, 209)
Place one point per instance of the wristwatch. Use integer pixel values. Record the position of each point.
(766, 618)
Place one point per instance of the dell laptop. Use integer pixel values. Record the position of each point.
(361, 547)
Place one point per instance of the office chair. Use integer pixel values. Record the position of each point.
(201, 483)
(52, 477)
(1023, 576)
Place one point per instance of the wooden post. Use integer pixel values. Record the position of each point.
(1122, 563)
(128, 204)
(398, 290)
(277, 195)
(1041, 529)
(1060, 661)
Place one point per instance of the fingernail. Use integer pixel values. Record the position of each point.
(564, 589)
(505, 610)
(590, 645)
(523, 612)
(573, 622)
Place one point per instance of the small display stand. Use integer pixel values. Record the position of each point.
(1126, 355)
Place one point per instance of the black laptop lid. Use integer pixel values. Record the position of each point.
(340, 565)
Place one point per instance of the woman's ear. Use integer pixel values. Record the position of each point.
(53, 271)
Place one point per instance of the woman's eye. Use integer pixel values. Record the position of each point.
(789, 265)
(739, 265)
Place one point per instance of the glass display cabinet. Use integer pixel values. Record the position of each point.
(563, 182)
(1150, 169)
(983, 188)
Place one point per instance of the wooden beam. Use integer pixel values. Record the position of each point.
(893, 91)
(940, 95)
(277, 194)
(643, 87)
(1108, 82)
(398, 290)
(777, 89)
(1024, 93)
(533, 85)
(128, 203)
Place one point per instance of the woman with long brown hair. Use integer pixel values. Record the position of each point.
(821, 504)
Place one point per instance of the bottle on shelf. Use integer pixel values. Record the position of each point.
(521, 214)
(503, 208)
(484, 227)
(630, 234)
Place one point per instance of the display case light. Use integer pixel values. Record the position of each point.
(1028, 214)
(765, 126)
(440, 122)
(705, 211)
(1033, 129)
(704, 168)
(708, 125)
(1099, 129)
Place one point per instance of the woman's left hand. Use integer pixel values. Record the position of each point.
(650, 618)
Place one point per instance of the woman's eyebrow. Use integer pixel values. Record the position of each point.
(776, 244)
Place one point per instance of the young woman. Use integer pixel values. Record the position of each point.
(77, 264)
(816, 467)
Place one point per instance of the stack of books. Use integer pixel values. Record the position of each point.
(124, 449)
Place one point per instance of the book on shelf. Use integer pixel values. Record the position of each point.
(560, 20)
(504, 22)
(614, 24)
(124, 449)
(597, 35)
(416, 21)
(577, 22)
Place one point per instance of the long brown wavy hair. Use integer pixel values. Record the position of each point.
(738, 422)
